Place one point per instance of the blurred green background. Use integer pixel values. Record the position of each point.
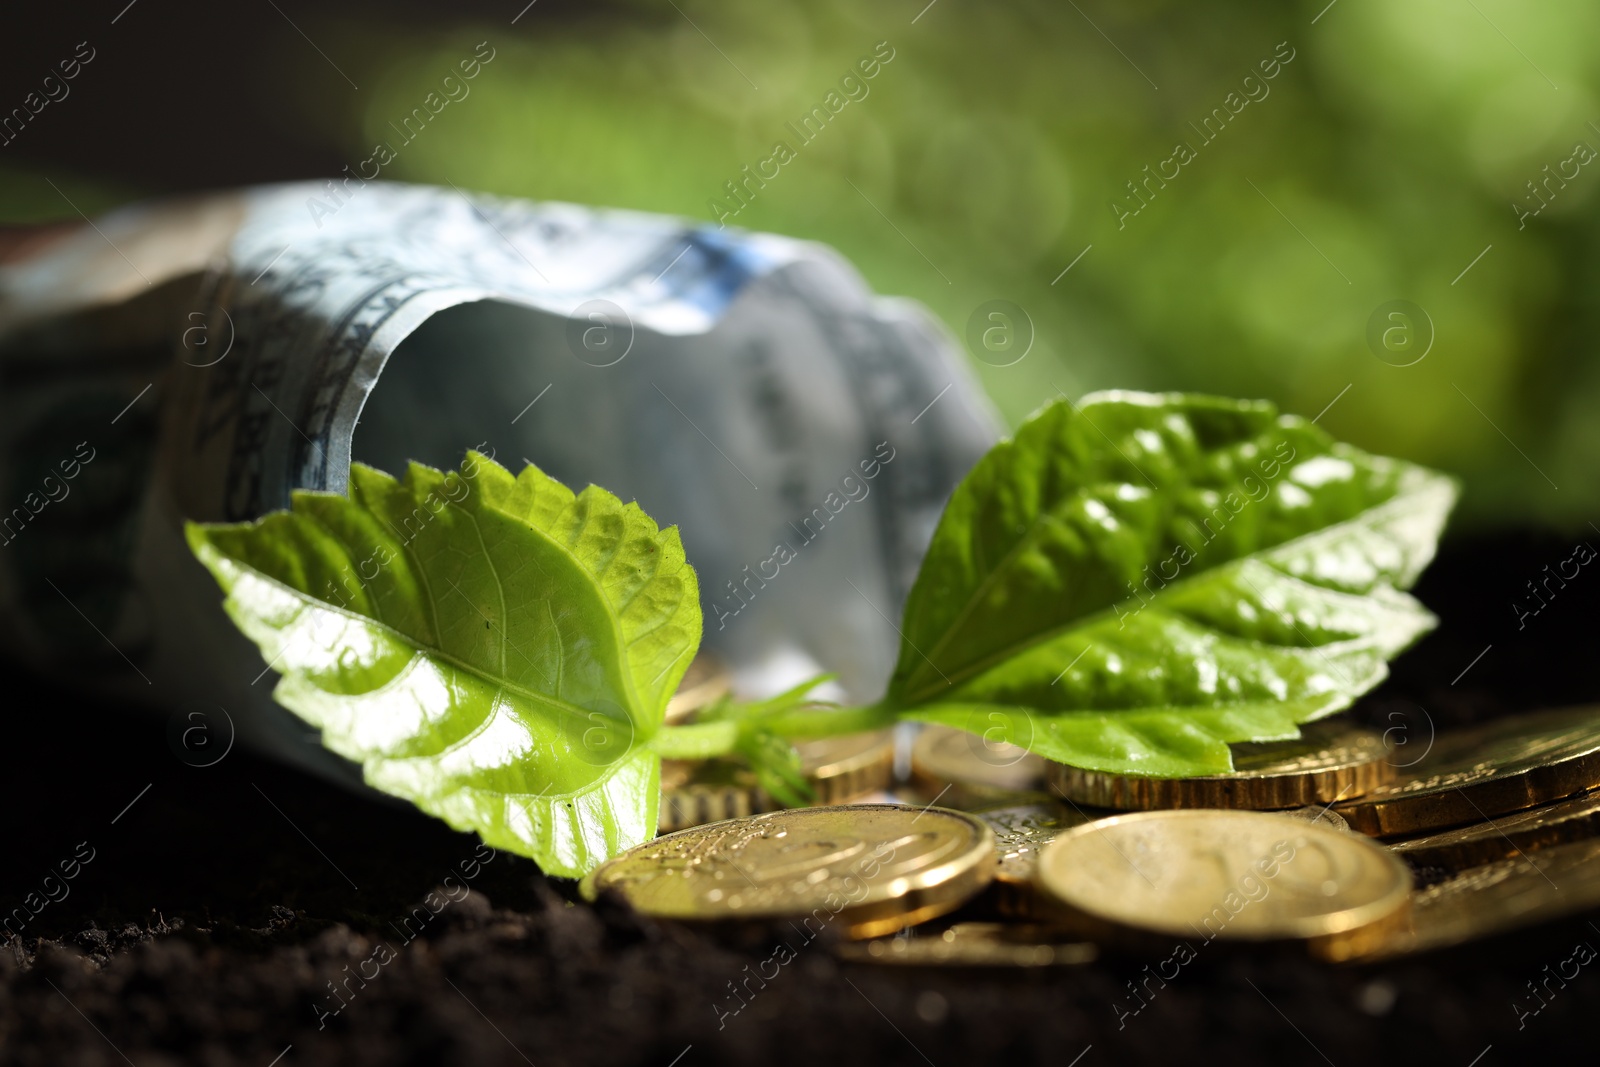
(1384, 161)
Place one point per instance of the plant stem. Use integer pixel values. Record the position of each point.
(806, 723)
(696, 740)
(703, 740)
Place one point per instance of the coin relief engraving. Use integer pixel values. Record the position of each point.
(877, 867)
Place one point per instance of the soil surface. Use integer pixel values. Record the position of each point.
(222, 917)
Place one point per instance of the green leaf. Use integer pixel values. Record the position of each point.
(495, 649)
(1132, 583)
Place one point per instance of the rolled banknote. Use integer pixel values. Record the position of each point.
(202, 358)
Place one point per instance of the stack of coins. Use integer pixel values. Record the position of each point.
(839, 769)
(1325, 842)
(1502, 821)
(1474, 775)
(1331, 760)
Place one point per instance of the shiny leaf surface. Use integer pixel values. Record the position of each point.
(495, 649)
(1135, 581)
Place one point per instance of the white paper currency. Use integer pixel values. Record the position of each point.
(201, 359)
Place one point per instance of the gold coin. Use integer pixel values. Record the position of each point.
(1574, 819)
(1499, 897)
(840, 769)
(975, 944)
(844, 768)
(1021, 833)
(1323, 815)
(1235, 875)
(964, 767)
(706, 681)
(1475, 774)
(862, 869)
(1331, 760)
(696, 792)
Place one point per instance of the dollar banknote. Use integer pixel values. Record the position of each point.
(202, 358)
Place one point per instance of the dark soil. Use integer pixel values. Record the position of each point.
(207, 929)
